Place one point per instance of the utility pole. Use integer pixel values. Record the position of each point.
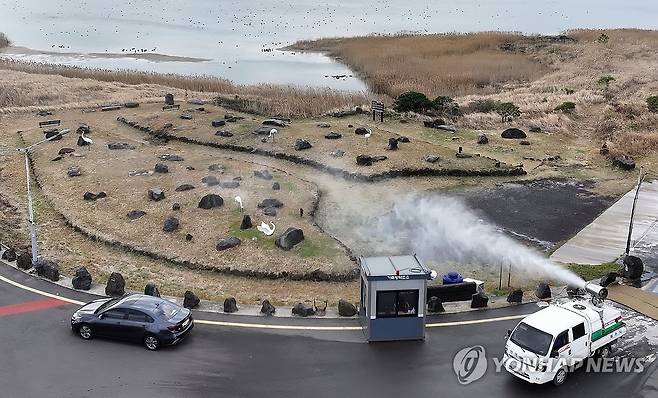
(630, 227)
(30, 208)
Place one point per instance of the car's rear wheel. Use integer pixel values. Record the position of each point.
(85, 331)
(151, 342)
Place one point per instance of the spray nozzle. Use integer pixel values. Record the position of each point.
(597, 291)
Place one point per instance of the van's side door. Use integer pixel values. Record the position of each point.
(579, 343)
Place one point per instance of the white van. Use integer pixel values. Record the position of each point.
(548, 344)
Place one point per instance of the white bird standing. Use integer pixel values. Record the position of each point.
(272, 133)
(87, 140)
(267, 229)
(239, 200)
(367, 135)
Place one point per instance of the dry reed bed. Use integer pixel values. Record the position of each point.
(4, 40)
(437, 64)
(268, 99)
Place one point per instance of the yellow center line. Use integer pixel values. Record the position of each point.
(269, 326)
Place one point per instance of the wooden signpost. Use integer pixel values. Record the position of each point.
(377, 107)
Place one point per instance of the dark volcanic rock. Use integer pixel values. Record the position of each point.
(364, 160)
(228, 243)
(82, 279)
(9, 255)
(211, 181)
(404, 140)
(303, 310)
(161, 168)
(246, 222)
(119, 146)
(513, 133)
(230, 305)
(267, 308)
(151, 290)
(82, 142)
(131, 105)
(169, 99)
(74, 172)
(301, 144)
(535, 129)
(219, 168)
(263, 130)
(52, 133)
(524, 142)
(190, 300)
(392, 144)
(269, 211)
(434, 123)
(184, 187)
(543, 291)
(136, 214)
(274, 122)
(633, 267)
(479, 300)
(47, 269)
(516, 296)
(224, 133)
(65, 151)
(156, 194)
(189, 237)
(605, 151)
(434, 304)
(345, 308)
(432, 158)
(361, 131)
(290, 238)
(24, 261)
(271, 202)
(624, 163)
(333, 136)
(276, 186)
(483, 139)
(116, 285)
(175, 206)
(263, 174)
(229, 184)
(94, 196)
(171, 224)
(218, 123)
(171, 157)
(211, 201)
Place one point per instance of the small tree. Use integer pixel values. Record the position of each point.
(446, 106)
(508, 111)
(566, 107)
(412, 101)
(652, 104)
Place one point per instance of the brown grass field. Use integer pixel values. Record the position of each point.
(18, 89)
(438, 64)
(408, 156)
(108, 170)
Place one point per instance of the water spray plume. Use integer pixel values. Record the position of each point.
(442, 229)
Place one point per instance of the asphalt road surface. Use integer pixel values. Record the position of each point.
(41, 357)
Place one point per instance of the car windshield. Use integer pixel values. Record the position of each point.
(107, 304)
(531, 339)
(166, 310)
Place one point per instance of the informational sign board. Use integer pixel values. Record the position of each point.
(377, 108)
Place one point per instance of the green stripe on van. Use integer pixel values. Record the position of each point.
(604, 332)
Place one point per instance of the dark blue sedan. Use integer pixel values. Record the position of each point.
(149, 320)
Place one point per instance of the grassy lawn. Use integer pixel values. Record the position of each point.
(589, 272)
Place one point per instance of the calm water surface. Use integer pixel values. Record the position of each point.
(233, 38)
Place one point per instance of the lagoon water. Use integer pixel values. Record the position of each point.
(238, 39)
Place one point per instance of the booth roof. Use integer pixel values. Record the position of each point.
(394, 265)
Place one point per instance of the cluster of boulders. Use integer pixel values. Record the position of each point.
(368, 160)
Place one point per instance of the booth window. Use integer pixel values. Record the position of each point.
(397, 303)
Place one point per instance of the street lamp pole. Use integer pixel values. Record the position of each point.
(30, 207)
(630, 227)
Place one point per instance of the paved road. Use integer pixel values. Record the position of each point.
(41, 357)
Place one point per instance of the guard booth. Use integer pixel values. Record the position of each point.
(393, 293)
